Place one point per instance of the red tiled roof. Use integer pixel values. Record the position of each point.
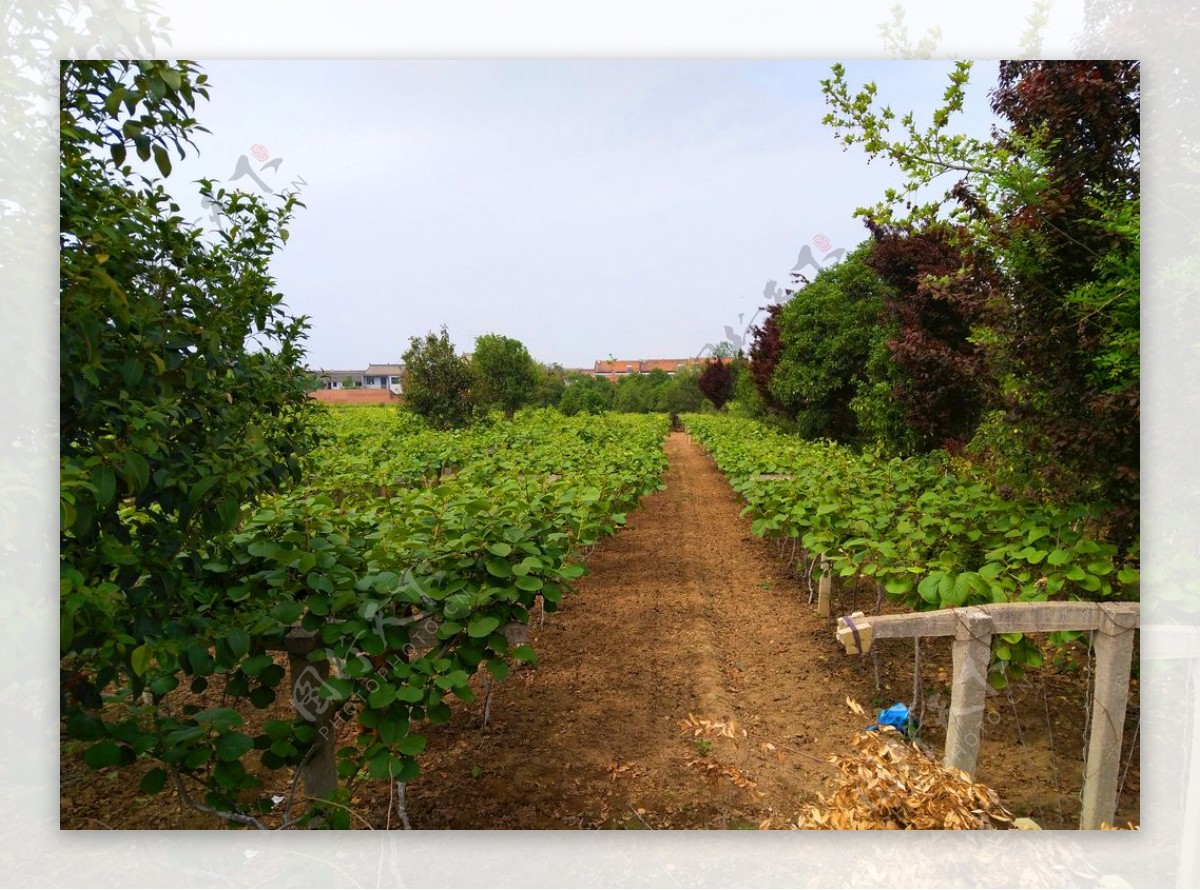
(354, 396)
(645, 366)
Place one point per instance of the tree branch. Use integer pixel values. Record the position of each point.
(201, 808)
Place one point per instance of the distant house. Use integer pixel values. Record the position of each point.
(615, 369)
(390, 377)
(340, 379)
(378, 384)
(384, 377)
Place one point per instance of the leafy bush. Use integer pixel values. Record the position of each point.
(438, 382)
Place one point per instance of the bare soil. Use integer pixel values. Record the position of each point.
(687, 683)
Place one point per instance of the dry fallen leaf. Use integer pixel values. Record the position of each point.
(888, 783)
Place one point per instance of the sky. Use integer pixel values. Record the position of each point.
(633, 209)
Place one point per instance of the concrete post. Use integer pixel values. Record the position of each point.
(972, 653)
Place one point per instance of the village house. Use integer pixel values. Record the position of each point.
(377, 384)
(615, 369)
(374, 377)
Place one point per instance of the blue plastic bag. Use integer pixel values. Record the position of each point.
(896, 717)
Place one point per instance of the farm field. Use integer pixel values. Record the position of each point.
(685, 682)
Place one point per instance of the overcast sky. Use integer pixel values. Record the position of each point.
(587, 208)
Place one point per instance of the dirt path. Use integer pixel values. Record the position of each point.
(683, 613)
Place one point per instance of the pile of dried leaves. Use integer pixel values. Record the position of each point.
(888, 783)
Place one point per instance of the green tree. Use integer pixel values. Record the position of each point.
(641, 393)
(681, 394)
(586, 394)
(747, 401)
(828, 331)
(505, 375)
(438, 382)
(182, 399)
(552, 383)
(724, 349)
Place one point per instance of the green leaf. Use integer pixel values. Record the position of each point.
(524, 652)
(499, 549)
(163, 684)
(257, 664)
(410, 694)
(137, 471)
(140, 659)
(220, 718)
(200, 659)
(162, 160)
(393, 727)
(929, 587)
(105, 481)
(238, 642)
(499, 568)
(1059, 558)
(201, 488)
(383, 696)
(229, 774)
(1036, 534)
(991, 570)
(383, 766)
(229, 511)
(287, 611)
(153, 781)
(498, 668)
(335, 689)
(482, 626)
(452, 680)
(529, 583)
(197, 757)
(319, 582)
(103, 754)
(1128, 577)
(948, 590)
(179, 737)
(233, 745)
(277, 729)
(412, 745)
